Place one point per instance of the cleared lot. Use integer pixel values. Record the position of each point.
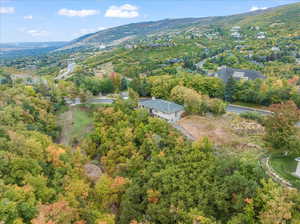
(225, 131)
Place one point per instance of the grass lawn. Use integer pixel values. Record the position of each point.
(285, 166)
(81, 121)
(76, 123)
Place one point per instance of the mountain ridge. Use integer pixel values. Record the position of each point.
(116, 35)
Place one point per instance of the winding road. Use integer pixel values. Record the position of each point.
(65, 75)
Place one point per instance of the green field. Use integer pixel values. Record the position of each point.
(284, 167)
(76, 123)
(82, 120)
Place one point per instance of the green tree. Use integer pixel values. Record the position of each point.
(230, 90)
(281, 131)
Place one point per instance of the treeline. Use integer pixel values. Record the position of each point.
(111, 83)
(260, 92)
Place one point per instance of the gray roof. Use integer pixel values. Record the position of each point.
(162, 106)
(226, 73)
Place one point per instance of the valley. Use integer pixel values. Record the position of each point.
(188, 121)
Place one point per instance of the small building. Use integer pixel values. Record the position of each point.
(235, 29)
(167, 110)
(239, 74)
(236, 35)
(275, 49)
(261, 35)
(297, 173)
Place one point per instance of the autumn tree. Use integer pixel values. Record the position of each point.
(278, 205)
(59, 213)
(281, 130)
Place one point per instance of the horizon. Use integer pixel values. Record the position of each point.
(37, 21)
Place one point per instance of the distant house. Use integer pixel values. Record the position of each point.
(236, 35)
(261, 35)
(235, 28)
(174, 61)
(239, 74)
(102, 46)
(275, 49)
(163, 109)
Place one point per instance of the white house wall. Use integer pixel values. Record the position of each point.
(172, 117)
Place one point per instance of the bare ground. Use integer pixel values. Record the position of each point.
(218, 129)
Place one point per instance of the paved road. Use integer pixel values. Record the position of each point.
(70, 69)
(230, 108)
(100, 100)
(240, 109)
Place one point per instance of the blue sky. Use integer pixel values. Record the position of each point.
(63, 20)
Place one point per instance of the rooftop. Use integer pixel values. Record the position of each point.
(162, 106)
(225, 73)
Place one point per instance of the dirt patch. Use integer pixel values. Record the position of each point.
(200, 127)
(219, 130)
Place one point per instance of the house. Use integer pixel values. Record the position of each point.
(236, 35)
(174, 61)
(235, 29)
(239, 74)
(102, 46)
(163, 109)
(261, 35)
(275, 49)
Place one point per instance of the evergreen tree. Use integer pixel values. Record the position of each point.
(230, 89)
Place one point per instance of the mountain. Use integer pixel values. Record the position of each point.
(113, 36)
(8, 50)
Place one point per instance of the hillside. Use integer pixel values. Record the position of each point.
(179, 121)
(113, 36)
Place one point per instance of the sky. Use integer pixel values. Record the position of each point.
(65, 20)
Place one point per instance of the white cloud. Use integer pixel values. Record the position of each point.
(29, 17)
(84, 31)
(7, 10)
(255, 8)
(37, 33)
(80, 13)
(123, 11)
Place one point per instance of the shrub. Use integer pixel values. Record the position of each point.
(253, 116)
